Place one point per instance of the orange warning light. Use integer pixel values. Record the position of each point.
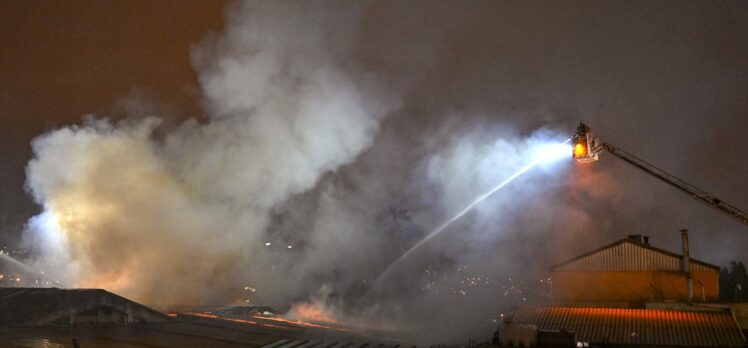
(580, 150)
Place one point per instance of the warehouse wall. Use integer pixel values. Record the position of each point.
(632, 286)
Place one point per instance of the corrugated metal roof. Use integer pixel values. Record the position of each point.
(628, 256)
(637, 326)
(47, 306)
(302, 343)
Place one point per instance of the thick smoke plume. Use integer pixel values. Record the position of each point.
(182, 218)
(337, 135)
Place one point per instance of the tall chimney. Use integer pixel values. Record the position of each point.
(686, 264)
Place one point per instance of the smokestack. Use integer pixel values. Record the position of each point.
(686, 263)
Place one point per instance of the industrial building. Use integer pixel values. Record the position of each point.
(631, 270)
(627, 293)
(52, 317)
(35, 307)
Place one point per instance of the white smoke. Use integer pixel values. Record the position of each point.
(190, 214)
(182, 218)
(306, 176)
(458, 276)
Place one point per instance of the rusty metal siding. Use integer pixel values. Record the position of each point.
(628, 257)
(648, 327)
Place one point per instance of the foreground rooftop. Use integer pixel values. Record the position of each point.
(635, 326)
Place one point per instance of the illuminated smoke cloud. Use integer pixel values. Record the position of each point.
(337, 135)
(259, 195)
(317, 308)
(181, 218)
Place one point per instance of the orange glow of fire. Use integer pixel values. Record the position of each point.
(275, 319)
(115, 282)
(302, 323)
(250, 322)
(312, 312)
(579, 150)
(204, 315)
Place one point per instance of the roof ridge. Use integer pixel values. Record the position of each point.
(643, 246)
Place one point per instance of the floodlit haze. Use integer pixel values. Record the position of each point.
(287, 153)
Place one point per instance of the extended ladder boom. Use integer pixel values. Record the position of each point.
(587, 147)
(693, 191)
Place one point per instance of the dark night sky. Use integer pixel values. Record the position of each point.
(63, 59)
(665, 80)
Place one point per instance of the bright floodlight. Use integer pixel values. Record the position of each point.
(554, 152)
(546, 153)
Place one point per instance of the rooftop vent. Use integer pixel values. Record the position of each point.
(639, 239)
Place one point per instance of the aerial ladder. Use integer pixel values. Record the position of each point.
(587, 147)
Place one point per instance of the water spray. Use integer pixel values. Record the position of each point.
(554, 152)
(24, 267)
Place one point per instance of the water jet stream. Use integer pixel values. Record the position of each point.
(470, 206)
(24, 267)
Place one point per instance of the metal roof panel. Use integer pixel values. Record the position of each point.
(637, 326)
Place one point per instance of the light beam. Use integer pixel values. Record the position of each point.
(546, 154)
